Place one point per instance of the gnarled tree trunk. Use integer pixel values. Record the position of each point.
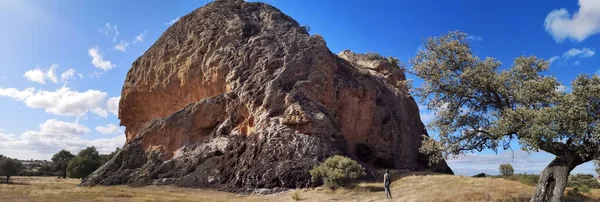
(553, 180)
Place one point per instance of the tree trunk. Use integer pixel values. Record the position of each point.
(7, 177)
(553, 180)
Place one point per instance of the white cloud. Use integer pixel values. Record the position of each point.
(61, 128)
(574, 53)
(122, 46)
(35, 75)
(577, 63)
(110, 31)
(65, 76)
(475, 38)
(62, 101)
(98, 60)
(553, 58)
(109, 129)
(66, 102)
(172, 21)
(140, 37)
(39, 76)
(113, 105)
(16, 94)
(426, 115)
(582, 24)
(54, 135)
(584, 52)
(561, 88)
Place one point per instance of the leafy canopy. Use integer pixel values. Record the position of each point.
(480, 105)
(506, 170)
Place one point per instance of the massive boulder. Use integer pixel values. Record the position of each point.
(238, 96)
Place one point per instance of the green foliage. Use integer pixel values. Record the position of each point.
(480, 106)
(528, 179)
(506, 170)
(9, 167)
(480, 175)
(86, 162)
(106, 157)
(583, 182)
(337, 171)
(61, 161)
(374, 56)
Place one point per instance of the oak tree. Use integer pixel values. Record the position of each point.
(481, 105)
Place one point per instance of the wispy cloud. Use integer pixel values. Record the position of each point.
(140, 37)
(122, 46)
(475, 38)
(172, 21)
(574, 53)
(98, 59)
(579, 26)
(110, 31)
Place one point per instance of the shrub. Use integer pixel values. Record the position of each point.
(480, 175)
(528, 179)
(337, 171)
(296, 195)
(506, 170)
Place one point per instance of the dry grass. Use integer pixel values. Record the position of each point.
(412, 187)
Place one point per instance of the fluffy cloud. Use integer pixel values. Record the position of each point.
(98, 59)
(109, 129)
(582, 24)
(39, 76)
(113, 105)
(172, 21)
(122, 46)
(16, 94)
(52, 136)
(64, 101)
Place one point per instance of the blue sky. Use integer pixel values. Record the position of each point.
(63, 63)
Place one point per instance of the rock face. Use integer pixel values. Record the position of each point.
(237, 96)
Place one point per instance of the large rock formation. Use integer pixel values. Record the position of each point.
(237, 95)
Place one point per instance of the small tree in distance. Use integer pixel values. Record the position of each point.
(337, 171)
(86, 162)
(506, 170)
(481, 106)
(61, 161)
(9, 167)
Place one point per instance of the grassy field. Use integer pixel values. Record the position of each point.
(404, 188)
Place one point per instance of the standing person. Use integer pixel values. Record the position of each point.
(386, 184)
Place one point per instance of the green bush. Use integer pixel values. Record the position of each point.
(86, 162)
(583, 182)
(337, 171)
(506, 170)
(528, 179)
